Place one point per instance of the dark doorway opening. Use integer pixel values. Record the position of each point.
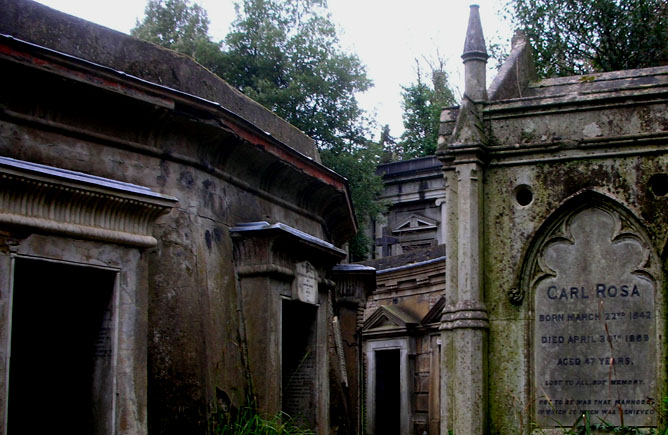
(387, 394)
(299, 361)
(60, 365)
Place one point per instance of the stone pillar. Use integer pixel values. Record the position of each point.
(464, 324)
(354, 283)
(440, 236)
(261, 302)
(379, 224)
(280, 268)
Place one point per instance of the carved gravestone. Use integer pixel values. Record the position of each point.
(594, 327)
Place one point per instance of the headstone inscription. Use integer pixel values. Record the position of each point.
(305, 284)
(594, 334)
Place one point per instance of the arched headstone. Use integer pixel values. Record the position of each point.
(594, 334)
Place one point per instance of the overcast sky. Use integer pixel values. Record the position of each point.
(387, 35)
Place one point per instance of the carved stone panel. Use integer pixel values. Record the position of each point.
(305, 285)
(594, 327)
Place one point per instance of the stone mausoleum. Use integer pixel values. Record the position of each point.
(550, 230)
(167, 246)
(169, 249)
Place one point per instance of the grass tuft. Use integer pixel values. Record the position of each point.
(247, 420)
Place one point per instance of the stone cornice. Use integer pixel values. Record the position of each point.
(264, 229)
(575, 102)
(52, 200)
(354, 282)
(271, 250)
(585, 148)
(459, 154)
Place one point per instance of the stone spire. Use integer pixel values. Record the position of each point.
(475, 58)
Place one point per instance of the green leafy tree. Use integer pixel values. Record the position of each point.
(581, 36)
(422, 105)
(286, 55)
(359, 166)
(174, 24)
(389, 146)
(182, 27)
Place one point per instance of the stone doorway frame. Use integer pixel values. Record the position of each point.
(406, 347)
(129, 316)
(57, 215)
(270, 267)
(115, 376)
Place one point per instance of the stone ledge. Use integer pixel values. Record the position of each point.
(80, 205)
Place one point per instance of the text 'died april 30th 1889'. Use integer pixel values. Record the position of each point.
(594, 335)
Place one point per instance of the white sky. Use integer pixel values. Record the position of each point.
(387, 35)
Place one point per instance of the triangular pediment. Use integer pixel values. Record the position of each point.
(434, 315)
(384, 322)
(389, 318)
(415, 222)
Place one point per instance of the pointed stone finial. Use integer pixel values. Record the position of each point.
(475, 58)
(474, 46)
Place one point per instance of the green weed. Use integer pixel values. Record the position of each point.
(247, 420)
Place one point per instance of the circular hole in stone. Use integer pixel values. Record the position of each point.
(658, 183)
(523, 195)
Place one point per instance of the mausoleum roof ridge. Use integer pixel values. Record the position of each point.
(412, 165)
(641, 78)
(411, 265)
(105, 77)
(410, 259)
(36, 23)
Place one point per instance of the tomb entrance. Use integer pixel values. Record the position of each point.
(61, 347)
(388, 399)
(73, 299)
(299, 368)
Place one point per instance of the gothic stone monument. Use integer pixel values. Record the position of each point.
(556, 240)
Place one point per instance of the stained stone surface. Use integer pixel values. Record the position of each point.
(594, 336)
(306, 283)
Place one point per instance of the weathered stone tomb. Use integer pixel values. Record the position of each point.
(556, 245)
(166, 244)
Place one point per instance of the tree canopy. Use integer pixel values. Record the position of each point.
(285, 54)
(422, 104)
(180, 26)
(581, 36)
